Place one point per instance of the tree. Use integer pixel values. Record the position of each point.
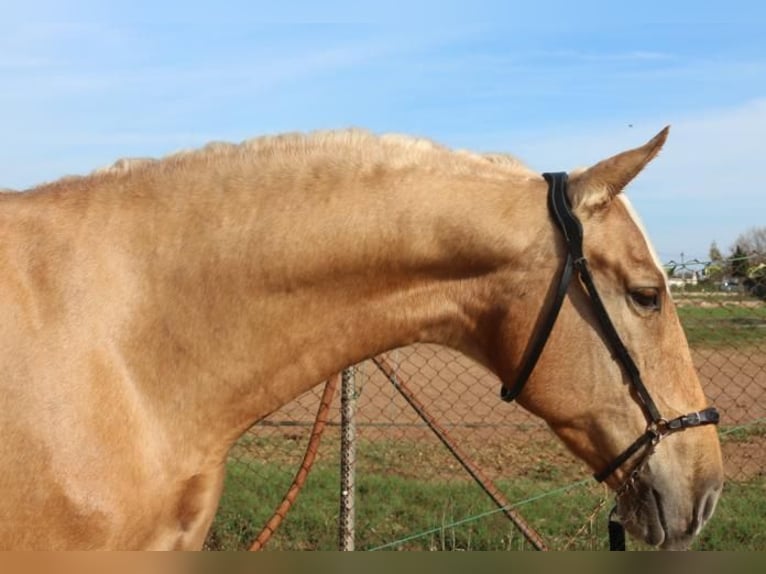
(756, 281)
(738, 263)
(753, 244)
(714, 270)
(715, 254)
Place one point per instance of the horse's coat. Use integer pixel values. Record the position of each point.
(152, 311)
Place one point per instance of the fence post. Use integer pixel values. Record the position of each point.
(347, 460)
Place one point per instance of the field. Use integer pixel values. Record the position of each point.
(411, 494)
(722, 322)
(399, 513)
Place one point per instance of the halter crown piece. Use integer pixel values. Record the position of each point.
(657, 426)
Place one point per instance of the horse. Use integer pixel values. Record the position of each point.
(151, 313)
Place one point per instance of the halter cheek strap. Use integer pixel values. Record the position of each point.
(540, 338)
(657, 426)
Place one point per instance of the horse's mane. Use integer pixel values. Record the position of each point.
(344, 149)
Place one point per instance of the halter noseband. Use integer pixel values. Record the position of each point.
(657, 426)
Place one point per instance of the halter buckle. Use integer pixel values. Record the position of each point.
(690, 420)
(695, 419)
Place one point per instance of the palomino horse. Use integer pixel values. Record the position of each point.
(152, 312)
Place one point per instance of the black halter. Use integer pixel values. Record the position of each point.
(657, 426)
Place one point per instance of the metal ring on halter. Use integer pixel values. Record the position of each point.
(658, 426)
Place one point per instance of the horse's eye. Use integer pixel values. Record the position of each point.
(646, 298)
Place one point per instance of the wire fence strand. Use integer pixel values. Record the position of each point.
(399, 460)
(480, 516)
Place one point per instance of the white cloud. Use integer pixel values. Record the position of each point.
(80, 112)
(78, 95)
(717, 149)
(716, 155)
(706, 184)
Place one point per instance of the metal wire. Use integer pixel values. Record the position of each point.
(482, 515)
(472, 468)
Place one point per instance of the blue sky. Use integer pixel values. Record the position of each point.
(561, 85)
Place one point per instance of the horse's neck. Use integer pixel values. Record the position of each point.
(254, 297)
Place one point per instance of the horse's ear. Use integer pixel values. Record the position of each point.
(592, 190)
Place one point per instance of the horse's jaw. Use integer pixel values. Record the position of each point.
(657, 510)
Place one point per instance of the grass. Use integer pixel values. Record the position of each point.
(389, 508)
(723, 325)
(450, 515)
(398, 501)
(755, 430)
(738, 521)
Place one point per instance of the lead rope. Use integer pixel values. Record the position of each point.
(308, 460)
(616, 532)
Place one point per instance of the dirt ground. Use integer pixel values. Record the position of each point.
(463, 398)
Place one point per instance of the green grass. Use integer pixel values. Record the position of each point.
(723, 325)
(437, 515)
(753, 430)
(397, 501)
(738, 521)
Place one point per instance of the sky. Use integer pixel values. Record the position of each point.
(559, 84)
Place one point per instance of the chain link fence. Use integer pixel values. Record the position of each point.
(402, 468)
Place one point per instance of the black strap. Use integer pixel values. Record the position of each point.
(616, 532)
(643, 441)
(543, 332)
(708, 416)
(541, 336)
(572, 230)
(656, 432)
(559, 206)
(618, 347)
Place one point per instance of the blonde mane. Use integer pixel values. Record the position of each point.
(154, 310)
(345, 149)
